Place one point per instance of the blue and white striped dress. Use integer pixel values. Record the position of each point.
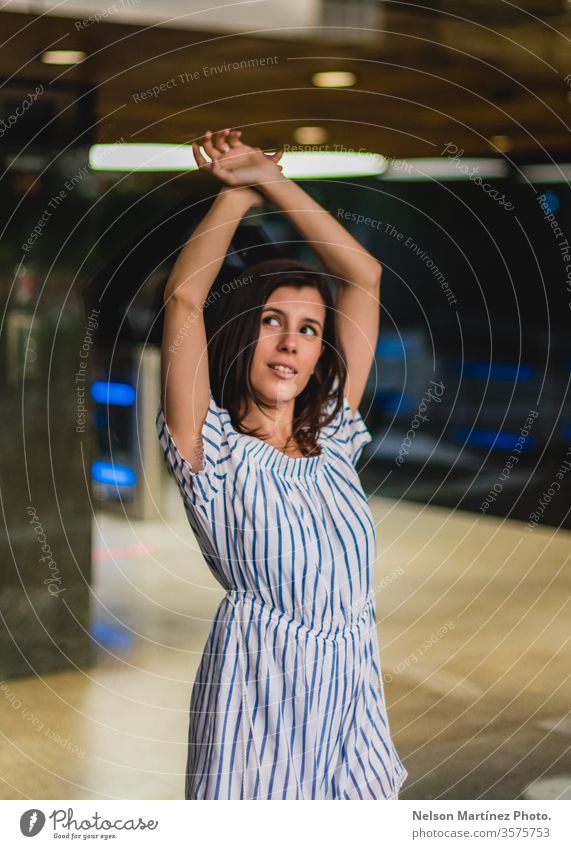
(288, 701)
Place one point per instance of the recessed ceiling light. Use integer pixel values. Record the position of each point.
(63, 57)
(334, 79)
(310, 135)
(502, 143)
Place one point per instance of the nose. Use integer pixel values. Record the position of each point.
(288, 340)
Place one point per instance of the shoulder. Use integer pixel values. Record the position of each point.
(346, 432)
(200, 485)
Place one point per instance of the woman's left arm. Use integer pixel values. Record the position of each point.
(355, 271)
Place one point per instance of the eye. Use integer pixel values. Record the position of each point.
(275, 318)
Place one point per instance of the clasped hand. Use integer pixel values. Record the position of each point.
(236, 164)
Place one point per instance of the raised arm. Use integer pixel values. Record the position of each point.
(185, 381)
(356, 272)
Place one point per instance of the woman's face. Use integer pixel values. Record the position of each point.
(291, 333)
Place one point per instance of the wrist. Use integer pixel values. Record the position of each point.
(234, 198)
(272, 182)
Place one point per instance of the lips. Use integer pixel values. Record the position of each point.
(285, 365)
(282, 370)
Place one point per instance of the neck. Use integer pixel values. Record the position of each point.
(275, 421)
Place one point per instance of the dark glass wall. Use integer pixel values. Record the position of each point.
(468, 397)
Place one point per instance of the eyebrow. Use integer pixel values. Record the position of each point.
(281, 312)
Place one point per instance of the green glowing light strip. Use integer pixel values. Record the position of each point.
(311, 165)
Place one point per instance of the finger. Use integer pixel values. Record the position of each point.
(209, 147)
(234, 138)
(277, 155)
(220, 140)
(198, 157)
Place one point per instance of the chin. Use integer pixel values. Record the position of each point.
(283, 393)
(279, 390)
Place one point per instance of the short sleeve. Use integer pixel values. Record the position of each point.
(349, 432)
(200, 486)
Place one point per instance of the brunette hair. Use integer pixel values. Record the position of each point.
(233, 336)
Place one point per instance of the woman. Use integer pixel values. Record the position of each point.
(263, 440)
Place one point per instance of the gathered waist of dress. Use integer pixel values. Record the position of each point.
(362, 621)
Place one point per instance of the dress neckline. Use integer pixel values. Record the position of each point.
(263, 454)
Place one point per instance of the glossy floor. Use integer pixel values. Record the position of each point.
(474, 632)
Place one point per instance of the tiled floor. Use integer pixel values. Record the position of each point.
(474, 632)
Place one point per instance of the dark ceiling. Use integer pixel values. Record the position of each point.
(459, 71)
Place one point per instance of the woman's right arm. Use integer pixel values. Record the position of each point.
(185, 381)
